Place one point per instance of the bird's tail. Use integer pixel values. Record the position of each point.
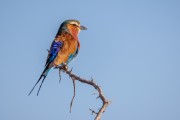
(43, 76)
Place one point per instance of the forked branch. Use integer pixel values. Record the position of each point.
(92, 83)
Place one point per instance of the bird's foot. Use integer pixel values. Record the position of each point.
(63, 67)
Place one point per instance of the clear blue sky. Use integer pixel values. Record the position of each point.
(131, 49)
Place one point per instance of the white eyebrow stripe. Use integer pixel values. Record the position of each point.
(75, 23)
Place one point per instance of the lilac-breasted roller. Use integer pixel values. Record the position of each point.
(63, 49)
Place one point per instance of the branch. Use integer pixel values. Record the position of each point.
(74, 85)
(92, 83)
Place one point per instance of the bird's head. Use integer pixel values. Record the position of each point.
(71, 26)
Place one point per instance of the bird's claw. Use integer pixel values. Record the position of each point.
(63, 67)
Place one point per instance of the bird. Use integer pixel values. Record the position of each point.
(64, 48)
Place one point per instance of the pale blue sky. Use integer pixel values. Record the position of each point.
(131, 49)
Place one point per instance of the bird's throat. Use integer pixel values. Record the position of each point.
(74, 33)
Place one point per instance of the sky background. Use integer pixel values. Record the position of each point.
(131, 49)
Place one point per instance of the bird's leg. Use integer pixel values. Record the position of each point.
(63, 67)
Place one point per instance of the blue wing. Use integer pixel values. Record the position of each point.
(55, 48)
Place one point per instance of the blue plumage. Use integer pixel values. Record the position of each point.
(55, 48)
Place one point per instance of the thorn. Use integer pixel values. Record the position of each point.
(92, 79)
(71, 70)
(98, 97)
(93, 112)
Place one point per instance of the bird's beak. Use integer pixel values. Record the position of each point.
(83, 28)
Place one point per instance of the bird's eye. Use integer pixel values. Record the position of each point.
(74, 24)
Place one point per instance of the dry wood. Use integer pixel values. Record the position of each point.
(91, 83)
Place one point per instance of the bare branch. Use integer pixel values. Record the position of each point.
(92, 83)
(74, 85)
(59, 76)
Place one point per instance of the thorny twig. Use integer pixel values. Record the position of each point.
(93, 112)
(92, 83)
